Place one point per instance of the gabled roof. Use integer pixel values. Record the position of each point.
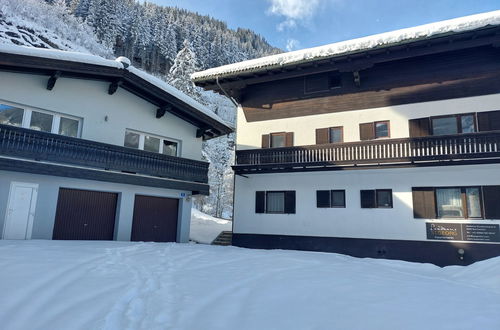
(398, 37)
(56, 63)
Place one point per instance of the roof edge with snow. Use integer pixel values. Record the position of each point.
(140, 83)
(343, 48)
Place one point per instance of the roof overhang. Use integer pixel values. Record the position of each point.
(232, 81)
(208, 125)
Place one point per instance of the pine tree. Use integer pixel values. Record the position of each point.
(185, 64)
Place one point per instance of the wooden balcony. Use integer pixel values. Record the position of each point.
(473, 148)
(20, 143)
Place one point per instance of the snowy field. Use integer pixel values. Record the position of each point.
(122, 285)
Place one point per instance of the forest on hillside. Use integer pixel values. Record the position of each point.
(168, 42)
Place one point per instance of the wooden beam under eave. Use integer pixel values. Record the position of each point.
(52, 80)
(113, 87)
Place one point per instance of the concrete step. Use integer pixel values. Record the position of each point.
(225, 238)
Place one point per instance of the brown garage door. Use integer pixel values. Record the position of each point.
(85, 215)
(155, 219)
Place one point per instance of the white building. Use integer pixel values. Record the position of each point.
(385, 146)
(95, 149)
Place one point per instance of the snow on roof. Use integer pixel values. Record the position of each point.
(59, 55)
(97, 60)
(456, 25)
(177, 94)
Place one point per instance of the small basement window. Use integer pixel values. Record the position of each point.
(379, 198)
(330, 198)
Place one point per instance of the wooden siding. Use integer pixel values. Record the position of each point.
(85, 215)
(462, 73)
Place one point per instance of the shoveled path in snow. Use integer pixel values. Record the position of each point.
(120, 285)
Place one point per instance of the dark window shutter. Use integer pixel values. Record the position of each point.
(323, 198)
(289, 139)
(367, 199)
(366, 131)
(260, 202)
(265, 140)
(322, 136)
(488, 121)
(491, 198)
(483, 120)
(420, 127)
(289, 201)
(424, 203)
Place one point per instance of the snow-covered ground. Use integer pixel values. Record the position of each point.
(122, 285)
(205, 228)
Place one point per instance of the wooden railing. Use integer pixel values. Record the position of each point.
(431, 148)
(29, 144)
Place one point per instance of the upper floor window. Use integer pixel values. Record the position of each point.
(375, 130)
(40, 120)
(330, 135)
(443, 125)
(451, 124)
(322, 82)
(152, 143)
(277, 140)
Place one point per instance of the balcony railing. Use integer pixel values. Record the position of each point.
(485, 145)
(29, 144)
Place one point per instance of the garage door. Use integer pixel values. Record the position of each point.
(85, 215)
(155, 219)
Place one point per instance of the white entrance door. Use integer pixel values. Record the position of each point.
(20, 211)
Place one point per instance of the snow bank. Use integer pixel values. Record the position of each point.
(205, 228)
(61, 285)
(461, 24)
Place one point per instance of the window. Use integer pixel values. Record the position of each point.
(330, 198)
(375, 130)
(458, 202)
(336, 134)
(132, 140)
(11, 115)
(68, 127)
(151, 143)
(330, 135)
(39, 120)
(277, 140)
(322, 82)
(381, 129)
(454, 124)
(379, 198)
(275, 202)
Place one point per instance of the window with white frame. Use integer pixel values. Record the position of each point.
(150, 142)
(40, 120)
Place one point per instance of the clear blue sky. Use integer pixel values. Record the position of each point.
(297, 24)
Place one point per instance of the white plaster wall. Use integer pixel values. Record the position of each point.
(352, 221)
(89, 99)
(48, 191)
(304, 128)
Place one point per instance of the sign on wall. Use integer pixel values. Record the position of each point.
(477, 232)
